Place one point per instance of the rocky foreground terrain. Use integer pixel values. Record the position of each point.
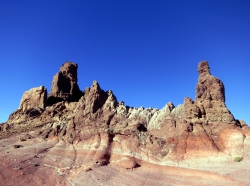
(74, 137)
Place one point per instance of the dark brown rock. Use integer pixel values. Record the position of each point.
(209, 87)
(64, 85)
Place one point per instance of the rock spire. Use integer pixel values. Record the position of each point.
(210, 96)
(64, 85)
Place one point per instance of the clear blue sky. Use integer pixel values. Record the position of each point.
(146, 51)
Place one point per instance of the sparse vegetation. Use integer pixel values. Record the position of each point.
(237, 158)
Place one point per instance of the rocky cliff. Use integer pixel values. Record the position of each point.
(79, 131)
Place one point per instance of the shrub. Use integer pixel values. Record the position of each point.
(237, 158)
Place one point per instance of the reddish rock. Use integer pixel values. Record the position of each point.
(210, 96)
(209, 87)
(72, 141)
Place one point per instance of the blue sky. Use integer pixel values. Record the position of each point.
(146, 51)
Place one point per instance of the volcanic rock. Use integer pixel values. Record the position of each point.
(191, 110)
(210, 96)
(64, 85)
(91, 134)
(35, 97)
(32, 105)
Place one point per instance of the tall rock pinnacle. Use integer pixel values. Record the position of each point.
(64, 85)
(209, 87)
(210, 96)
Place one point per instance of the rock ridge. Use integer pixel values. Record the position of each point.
(98, 130)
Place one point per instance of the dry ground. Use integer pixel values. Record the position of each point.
(36, 163)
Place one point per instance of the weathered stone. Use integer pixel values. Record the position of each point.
(191, 110)
(32, 105)
(64, 85)
(35, 97)
(171, 106)
(242, 123)
(210, 96)
(159, 117)
(74, 137)
(179, 112)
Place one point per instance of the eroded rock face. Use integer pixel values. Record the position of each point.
(64, 85)
(32, 105)
(98, 130)
(191, 110)
(210, 96)
(35, 97)
(208, 86)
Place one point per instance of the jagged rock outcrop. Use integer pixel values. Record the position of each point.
(32, 105)
(35, 97)
(192, 111)
(210, 96)
(64, 85)
(97, 130)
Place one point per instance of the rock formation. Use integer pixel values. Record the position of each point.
(64, 85)
(210, 96)
(32, 105)
(35, 97)
(93, 129)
